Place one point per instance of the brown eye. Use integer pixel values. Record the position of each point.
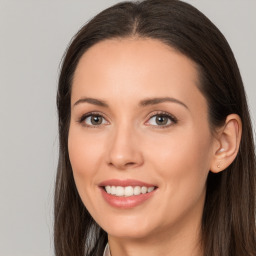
(94, 120)
(161, 120)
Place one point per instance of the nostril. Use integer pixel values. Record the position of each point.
(121, 165)
(129, 164)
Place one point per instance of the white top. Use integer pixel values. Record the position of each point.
(106, 251)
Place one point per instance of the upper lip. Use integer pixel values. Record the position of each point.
(125, 183)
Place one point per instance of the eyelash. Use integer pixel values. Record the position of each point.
(173, 119)
(83, 117)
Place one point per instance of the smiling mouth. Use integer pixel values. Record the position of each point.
(128, 191)
(126, 194)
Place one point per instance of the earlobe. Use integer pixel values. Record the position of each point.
(228, 142)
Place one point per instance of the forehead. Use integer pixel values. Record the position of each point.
(133, 54)
(135, 67)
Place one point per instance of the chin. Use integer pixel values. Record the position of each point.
(128, 227)
(131, 233)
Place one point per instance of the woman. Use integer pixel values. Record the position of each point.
(156, 148)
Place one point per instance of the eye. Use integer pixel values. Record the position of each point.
(162, 119)
(93, 120)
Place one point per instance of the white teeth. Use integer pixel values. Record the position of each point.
(108, 189)
(136, 190)
(128, 191)
(113, 190)
(144, 190)
(150, 189)
(119, 191)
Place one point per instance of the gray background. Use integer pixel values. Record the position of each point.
(33, 37)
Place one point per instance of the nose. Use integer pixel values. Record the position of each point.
(124, 151)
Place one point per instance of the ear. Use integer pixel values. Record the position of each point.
(227, 143)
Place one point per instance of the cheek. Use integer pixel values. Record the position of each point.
(182, 148)
(181, 163)
(84, 152)
(182, 159)
(85, 157)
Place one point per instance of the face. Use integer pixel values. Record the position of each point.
(139, 140)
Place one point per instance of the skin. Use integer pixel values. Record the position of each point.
(129, 144)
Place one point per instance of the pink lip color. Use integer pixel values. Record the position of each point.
(125, 202)
(124, 183)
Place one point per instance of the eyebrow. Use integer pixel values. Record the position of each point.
(154, 101)
(93, 101)
(142, 103)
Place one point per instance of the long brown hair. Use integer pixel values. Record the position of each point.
(228, 224)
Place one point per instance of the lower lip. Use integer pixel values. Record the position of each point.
(126, 202)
